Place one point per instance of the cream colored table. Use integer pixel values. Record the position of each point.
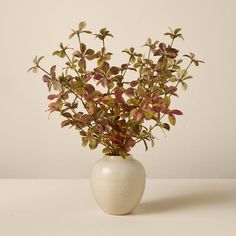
(186, 207)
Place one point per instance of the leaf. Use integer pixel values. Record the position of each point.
(177, 30)
(129, 91)
(129, 144)
(65, 123)
(173, 78)
(114, 70)
(35, 60)
(72, 35)
(46, 78)
(83, 133)
(59, 54)
(166, 126)
(93, 143)
(90, 89)
(152, 142)
(82, 48)
(184, 85)
(91, 107)
(52, 96)
(106, 150)
(145, 144)
(172, 119)
(176, 112)
(162, 47)
(138, 115)
(134, 83)
(118, 94)
(84, 141)
(34, 69)
(89, 52)
(82, 25)
(67, 115)
(148, 113)
(40, 58)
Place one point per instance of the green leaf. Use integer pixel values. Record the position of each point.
(82, 25)
(40, 58)
(172, 119)
(145, 144)
(82, 48)
(89, 52)
(93, 143)
(106, 150)
(176, 31)
(35, 69)
(173, 78)
(72, 35)
(59, 54)
(184, 85)
(84, 141)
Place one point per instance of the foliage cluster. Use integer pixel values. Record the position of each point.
(102, 104)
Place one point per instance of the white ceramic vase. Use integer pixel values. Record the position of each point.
(118, 184)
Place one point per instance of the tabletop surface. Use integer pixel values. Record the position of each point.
(66, 207)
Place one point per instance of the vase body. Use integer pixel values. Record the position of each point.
(118, 184)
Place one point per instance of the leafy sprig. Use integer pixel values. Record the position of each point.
(126, 112)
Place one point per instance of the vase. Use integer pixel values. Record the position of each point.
(118, 184)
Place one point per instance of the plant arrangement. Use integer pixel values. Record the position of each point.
(96, 98)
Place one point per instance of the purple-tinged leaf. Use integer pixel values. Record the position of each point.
(176, 112)
(52, 96)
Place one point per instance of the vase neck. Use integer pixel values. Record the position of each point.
(118, 157)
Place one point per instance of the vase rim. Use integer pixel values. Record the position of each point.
(117, 156)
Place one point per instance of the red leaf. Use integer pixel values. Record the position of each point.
(52, 96)
(52, 71)
(134, 83)
(54, 106)
(162, 47)
(139, 115)
(89, 88)
(171, 89)
(176, 112)
(67, 115)
(129, 143)
(129, 91)
(118, 94)
(97, 76)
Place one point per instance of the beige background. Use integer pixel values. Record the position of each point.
(203, 142)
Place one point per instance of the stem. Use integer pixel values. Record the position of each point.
(185, 71)
(71, 63)
(79, 38)
(124, 71)
(43, 70)
(149, 53)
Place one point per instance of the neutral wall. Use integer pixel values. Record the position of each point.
(201, 145)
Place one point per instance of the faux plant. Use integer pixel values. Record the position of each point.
(102, 104)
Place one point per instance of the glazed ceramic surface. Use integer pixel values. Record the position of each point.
(118, 184)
